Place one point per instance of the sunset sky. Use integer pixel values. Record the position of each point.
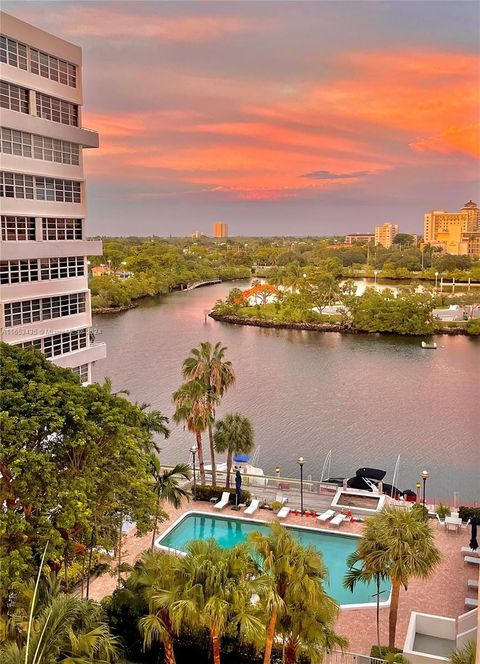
(279, 118)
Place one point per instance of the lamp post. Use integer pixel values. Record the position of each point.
(419, 488)
(277, 473)
(193, 450)
(424, 475)
(436, 280)
(300, 462)
(375, 273)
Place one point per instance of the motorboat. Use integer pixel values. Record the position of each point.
(368, 479)
(431, 346)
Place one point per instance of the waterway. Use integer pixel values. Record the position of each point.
(368, 398)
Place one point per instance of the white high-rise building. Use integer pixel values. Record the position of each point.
(45, 299)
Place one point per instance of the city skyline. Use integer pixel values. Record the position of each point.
(322, 119)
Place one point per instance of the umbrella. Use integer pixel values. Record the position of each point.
(238, 486)
(473, 541)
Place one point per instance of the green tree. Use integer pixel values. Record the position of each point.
(398, 544)
(167, 487)
(192, 408)
(294, 601)
(207, 364)
(233, 435)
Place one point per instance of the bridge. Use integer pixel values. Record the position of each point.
(198, 284)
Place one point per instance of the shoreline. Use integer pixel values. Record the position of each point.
(115, 310)
(320, 327)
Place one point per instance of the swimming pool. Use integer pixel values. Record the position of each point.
(228, 531)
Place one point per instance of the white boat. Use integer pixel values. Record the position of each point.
(431, 346)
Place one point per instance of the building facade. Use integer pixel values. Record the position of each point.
(220, 229)
(363, 238)
(385, 235)
(456, 233)
(45, 300)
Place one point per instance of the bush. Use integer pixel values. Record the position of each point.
(466, 513)
(207, 492)
(443, 511)
(417, 507)
(388, 654)
(473, 326)
(276, 505)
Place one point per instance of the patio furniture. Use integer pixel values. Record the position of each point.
(253, 507)
(281, 499)
(472, 560)
(466, 550)
(472, 584)
(338, 520)
(453, 523)
(471, 603)
(326, 516)
(223, 502)
(284, 512)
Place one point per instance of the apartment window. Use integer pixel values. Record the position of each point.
(15, 142)
(62, 268)
(31, 311)
(13, 97)
(82, 371)
(17, 185)
(60, 344)
(62, 229)
(13, 53)
(23, 144)
(18, 271)
(57, 110)
(15, 229)
(53, 68)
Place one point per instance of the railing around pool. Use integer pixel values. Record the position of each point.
(341, 657)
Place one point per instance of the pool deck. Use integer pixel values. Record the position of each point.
(443, 594)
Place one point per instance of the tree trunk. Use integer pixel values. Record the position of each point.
(212, 455)
(168, 647)
(201, 464)
(215, 643)
(90, 553)
(83, 575)
(154, 534)
(119, 577)
(392, 618)
(229, 470)
(290, 651)
(270, 636)
(378, 612)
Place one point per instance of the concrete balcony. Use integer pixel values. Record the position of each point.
(49, 287)
(49, 169)
(31, 123)
(50, 249)
(21, 333)
(83, 356)
(25, 207)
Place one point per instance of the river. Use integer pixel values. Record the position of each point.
(368, 398)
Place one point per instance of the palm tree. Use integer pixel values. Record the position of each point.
(192, 407)
(233, 435)
(167, 487)
(398, 544)
(213, 589)
(295, 603)
(207, 365)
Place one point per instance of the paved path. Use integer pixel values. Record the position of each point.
(443, 594)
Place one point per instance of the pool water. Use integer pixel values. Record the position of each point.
(334, 547)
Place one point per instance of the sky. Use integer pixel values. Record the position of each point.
(278, 118)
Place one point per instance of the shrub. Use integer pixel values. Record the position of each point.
(276, 505)
(417, 507)
(388, 654)
(443, 511)
(473, 326)
(466, 513)
(207, 492)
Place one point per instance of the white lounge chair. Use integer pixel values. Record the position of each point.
(223, 502)
(253, 507)
(283, 513)
(471, 560)
(338, 520)
(326, 516)
(466, 550)
(471, 603)
(472, 584)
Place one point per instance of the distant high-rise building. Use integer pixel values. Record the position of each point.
(220, 229)
(385, 235)
(45, 300)
(197, 235)
(364, 238)
(456, 233)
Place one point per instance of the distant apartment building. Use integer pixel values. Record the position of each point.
(456, 233)
(197, 235)
(220, 229)
(363, 238)
(385, 235)
(45, 301)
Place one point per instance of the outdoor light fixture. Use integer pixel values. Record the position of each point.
(300, 462)
(194, 450)
(424, 475)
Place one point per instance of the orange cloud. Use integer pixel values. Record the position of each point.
(455, 139)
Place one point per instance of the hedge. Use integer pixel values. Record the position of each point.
(207, 492)
(465, 513)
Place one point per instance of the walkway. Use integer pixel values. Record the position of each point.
(443, 594)
(202, 283)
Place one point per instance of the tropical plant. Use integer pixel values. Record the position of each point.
(192, 407)
(294, 602)
(213, 588)
(233, 435)
(465, 655)
(167, 488)
(398, 544)
(443, 511)
(207, 365)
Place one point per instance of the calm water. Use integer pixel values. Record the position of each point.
(366, 397)
(335, 549)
